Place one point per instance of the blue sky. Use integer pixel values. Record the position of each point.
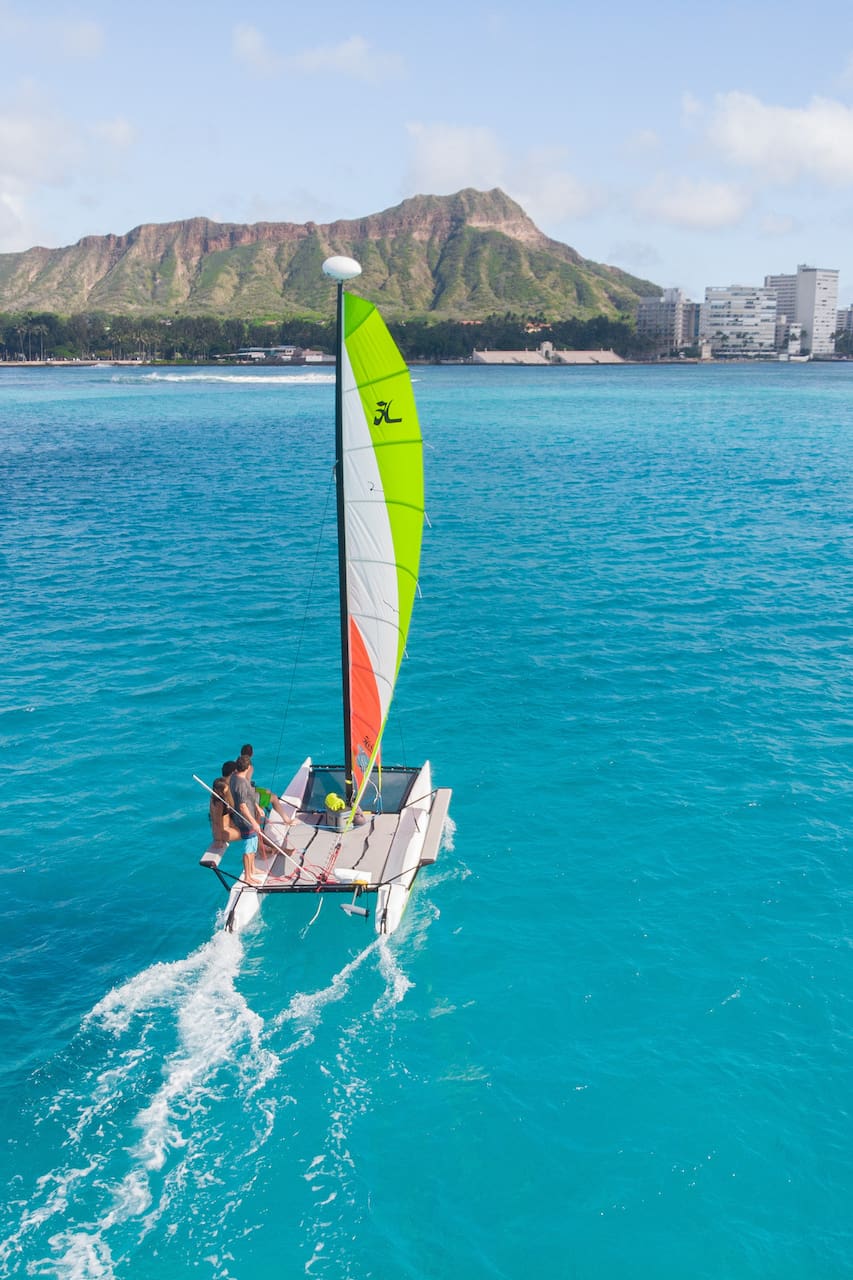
(690, 144)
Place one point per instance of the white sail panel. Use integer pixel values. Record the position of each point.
(371, 587)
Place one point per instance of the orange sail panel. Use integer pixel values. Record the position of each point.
(366, 723)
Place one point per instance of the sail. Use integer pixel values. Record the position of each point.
(383, 500)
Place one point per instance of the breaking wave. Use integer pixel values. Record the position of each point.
(286, 378)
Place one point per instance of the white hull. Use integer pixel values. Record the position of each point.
(376, 861)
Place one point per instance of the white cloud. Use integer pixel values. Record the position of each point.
(774, 224)
(691, 109)
(846, 77)
(548, 191)
(82, 39)
(636, 254)
(355, 57)
(250, 47)
(36, 145)
(119, 132)
(75, 39)
(693, 203)
(644, 140)
(14, 223)
(784, 143)
(39, 149)
(446, 157)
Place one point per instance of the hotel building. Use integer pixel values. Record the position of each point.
(739, 320)
(809, 299)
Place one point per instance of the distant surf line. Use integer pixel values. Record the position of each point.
(284, 379)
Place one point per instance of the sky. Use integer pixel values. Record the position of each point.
(692, 145)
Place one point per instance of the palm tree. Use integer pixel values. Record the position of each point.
(40, 330)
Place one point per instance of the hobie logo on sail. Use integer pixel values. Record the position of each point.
(383, 413)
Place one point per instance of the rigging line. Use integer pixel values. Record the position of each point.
(303, 932)
(301, 634)
(279, 848)
(404, 757)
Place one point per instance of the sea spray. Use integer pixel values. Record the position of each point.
(305, 1009)
(219, 1057)
(396, 982)
(340, 1208)
(146, 1131)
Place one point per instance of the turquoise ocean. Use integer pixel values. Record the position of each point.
(614, 1036)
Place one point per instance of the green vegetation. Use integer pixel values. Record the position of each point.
(96, 335)
(463, 257)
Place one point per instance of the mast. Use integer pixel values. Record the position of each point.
(342, 543)
(342, 269)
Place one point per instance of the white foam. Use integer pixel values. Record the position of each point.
(306, 1008)
(396, 982)
(284, 379)
(214, 1020)
(331, 1174)
(84, 1257)
(163, 984)
(448, 834)
(216, 1032)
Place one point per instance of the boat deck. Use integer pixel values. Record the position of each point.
(379, 855)
(323, 853)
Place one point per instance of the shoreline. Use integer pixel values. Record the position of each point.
(444, 364)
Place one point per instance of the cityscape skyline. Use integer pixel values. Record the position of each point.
(680, 150)
(794, 314)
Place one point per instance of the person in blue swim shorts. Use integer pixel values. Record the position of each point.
(248, 815)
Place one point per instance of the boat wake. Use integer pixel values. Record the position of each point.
(141, 1120)
(161, 1138)
(346, 1098)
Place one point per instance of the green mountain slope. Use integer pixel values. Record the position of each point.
(465, 256)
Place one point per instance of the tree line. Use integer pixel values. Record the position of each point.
(95, 335)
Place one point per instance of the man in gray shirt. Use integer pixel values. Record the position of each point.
(248, 815)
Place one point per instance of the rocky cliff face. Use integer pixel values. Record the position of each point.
(466, 255)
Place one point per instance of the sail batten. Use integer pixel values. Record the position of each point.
(383, 521)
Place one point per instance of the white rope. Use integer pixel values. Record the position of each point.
(303, 932)
(279, 848)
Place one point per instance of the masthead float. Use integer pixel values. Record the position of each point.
(392, 817)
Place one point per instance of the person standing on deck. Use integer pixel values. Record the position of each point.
(249, 815)
(287, 818)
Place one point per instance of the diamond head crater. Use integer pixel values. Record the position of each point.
(437, 266)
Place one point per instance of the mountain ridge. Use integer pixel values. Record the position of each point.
(462, 256)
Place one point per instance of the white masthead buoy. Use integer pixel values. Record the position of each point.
(342, 268)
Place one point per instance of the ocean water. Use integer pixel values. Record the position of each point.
(612, 1038)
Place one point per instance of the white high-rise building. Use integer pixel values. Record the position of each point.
(809, 299)
(739, 320)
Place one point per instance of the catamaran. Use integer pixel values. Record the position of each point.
(362, 827)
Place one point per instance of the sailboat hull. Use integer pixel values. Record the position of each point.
(380, 856)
